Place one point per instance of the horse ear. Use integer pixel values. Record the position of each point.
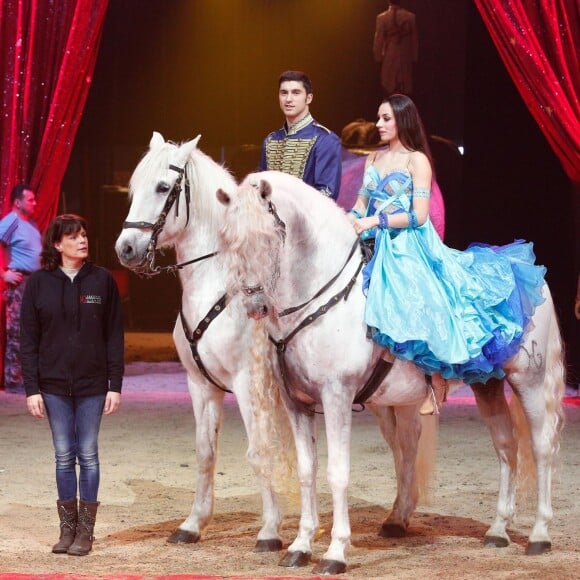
(186, 150)
(156, 141)
(222, 196)
(265, 189)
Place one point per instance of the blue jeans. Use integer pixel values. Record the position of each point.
(75, 424)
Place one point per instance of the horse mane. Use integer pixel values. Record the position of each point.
(313, 224)
(206, 177)
(312, 212)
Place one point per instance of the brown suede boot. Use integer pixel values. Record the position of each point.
(83, 543)
(68, 514)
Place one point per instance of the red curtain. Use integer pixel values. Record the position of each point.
(539, 42)
(48, 51)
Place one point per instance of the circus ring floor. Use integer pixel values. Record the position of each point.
(148, 481)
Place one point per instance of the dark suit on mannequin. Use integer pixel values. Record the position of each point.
(396, 47)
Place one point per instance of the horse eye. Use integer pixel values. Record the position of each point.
(162, 187)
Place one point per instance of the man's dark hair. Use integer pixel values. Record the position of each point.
(298, 76)
(18, 192)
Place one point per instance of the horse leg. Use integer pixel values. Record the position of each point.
(208, 411)
(544, 420)
(269, 535)
(303, 426)
(537, 378)
(338, 421)
(534, 407)
(393, 525)
(407, 430)
(495, 412)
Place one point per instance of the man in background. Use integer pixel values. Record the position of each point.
(21, 244)
(303, 147)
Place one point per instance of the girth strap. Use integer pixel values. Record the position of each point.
(381, 370)
(194, 337)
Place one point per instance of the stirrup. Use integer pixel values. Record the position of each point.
(436, 397)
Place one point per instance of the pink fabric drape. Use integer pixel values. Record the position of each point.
(539, 42)
(48, 51)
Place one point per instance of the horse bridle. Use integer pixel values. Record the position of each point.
(147, 265)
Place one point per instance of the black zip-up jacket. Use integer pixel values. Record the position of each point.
(71, 333)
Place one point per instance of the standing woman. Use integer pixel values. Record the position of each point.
(455, 314)
(72, 360)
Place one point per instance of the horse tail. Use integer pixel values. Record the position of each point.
(554, 391)
(426, 457)
(271, 451)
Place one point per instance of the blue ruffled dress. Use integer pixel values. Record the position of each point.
(458, 313)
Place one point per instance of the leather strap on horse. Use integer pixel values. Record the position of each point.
(282, 343)
(194, 337)
(381, 370)
(327, 285)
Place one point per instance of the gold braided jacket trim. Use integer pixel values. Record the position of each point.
(289, 155)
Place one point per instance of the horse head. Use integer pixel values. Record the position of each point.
(159, 190)
(251, 239)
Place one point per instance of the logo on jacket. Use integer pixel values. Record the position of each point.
(91, 299)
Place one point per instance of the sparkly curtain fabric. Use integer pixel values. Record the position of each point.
(539, 43)
(48, 50)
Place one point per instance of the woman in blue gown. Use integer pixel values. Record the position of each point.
(455, 314)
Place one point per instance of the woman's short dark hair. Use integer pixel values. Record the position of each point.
(62, 225)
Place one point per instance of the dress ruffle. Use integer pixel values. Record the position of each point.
(458, 313)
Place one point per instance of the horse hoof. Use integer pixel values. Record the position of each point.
(495, 542)
(537, 548)
(295, 559)
(273, 545)
(390, 530)
(329, 568)
(180, 536)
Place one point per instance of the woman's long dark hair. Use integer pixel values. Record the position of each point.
(409, 125)
(62, 225)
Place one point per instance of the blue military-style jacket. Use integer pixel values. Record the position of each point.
(307, 150)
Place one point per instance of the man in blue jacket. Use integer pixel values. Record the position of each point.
(303, 147)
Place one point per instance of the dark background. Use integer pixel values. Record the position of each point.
(183, 67)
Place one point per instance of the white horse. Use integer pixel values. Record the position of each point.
(286, 245)
(173, 204)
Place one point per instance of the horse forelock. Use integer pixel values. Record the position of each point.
(149, 169)
(249, 241)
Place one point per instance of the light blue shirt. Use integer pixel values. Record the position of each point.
(23, 241)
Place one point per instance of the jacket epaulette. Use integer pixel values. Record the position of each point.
(317, 124)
